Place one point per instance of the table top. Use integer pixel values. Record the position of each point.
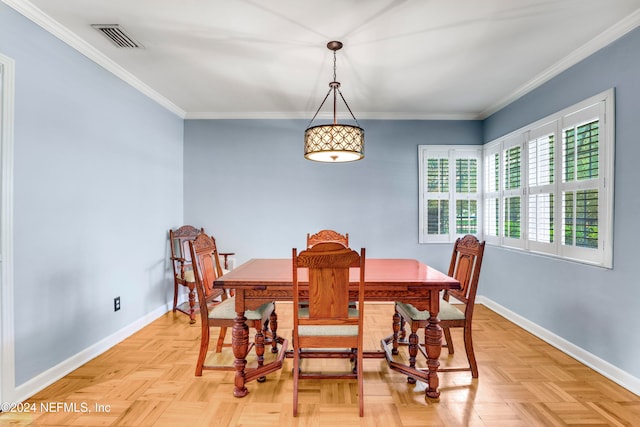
(263, 273)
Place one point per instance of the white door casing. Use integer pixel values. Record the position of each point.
(7, 347)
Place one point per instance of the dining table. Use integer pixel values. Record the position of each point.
(262, 280)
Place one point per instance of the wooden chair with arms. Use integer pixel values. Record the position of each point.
(206, 268)
(465, 265)
(328, 322)
(182, 267)
(327, 236)
(183, 271)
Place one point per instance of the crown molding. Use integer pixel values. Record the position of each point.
(600, 41)
(37, 16)
(306, 116)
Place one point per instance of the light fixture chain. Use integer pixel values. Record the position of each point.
(348, 108)
(320, 107)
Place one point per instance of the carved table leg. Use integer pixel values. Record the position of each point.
(240, 343)
(433, 344)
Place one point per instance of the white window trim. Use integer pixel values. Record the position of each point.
(533, 134)
(554, 123)
(603, 256)
(452, 152)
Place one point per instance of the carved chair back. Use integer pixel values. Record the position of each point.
(466, 261)
(327, 236)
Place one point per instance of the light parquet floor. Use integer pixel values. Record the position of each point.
(148, 380)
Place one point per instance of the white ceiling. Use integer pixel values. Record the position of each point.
(405, 59)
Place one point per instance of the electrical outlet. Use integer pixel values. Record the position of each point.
(116, 304)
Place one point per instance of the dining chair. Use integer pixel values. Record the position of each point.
(182, 267)
(327, 236)
(466, 261)
(183, 270)
(206, 268)
(327, 323)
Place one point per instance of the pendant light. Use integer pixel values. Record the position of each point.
(334, 143)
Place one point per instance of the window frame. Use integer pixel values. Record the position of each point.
(452, 153)
(600, 106)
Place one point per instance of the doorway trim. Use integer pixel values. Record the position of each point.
(7, 339)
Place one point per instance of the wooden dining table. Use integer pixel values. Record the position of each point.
(262, 280)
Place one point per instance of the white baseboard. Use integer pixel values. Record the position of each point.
(39, 382)
(599, 365)
(48, 377)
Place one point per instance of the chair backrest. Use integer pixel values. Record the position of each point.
(206, 267)
(180, 239)
(466, 261)
(327, 236)
(328, 265)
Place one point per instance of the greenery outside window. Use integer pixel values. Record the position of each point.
(450, 193)
(545, 188)
(550, 184)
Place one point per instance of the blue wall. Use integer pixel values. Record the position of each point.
(97, 184)
(248, 183)
(593, 308)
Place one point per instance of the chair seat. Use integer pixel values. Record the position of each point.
(447, 311)
(327, 330)
(188, 276)
(227, 310)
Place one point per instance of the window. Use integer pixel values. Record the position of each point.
(549, 186)
(450, 193)
(545, 188)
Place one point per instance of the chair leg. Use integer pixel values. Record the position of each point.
(192, 303)
(175, 296)
(396, 330)
(273, 324)
(221, 337)
(360, 383)
(353, 358)
(413, 349)
(447, 338)
(259, 344)
(471, 357)
(204, 347)
(403, 334)
(296, 377)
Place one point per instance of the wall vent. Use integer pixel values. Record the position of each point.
(117, 35)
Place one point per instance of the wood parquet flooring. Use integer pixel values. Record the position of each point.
(148, 380)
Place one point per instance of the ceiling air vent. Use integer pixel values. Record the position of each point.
(117, 35)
